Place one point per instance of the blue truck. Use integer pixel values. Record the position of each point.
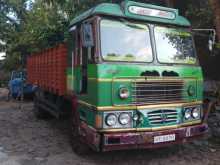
(18, 86)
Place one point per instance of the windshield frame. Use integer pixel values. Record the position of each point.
(130, 21)
(173, 63)
(152, 39)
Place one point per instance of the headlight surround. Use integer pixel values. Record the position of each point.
(118, 119)
(111, 119)
(124, 93)
(191, 90)
(192, 113)
(124, 118)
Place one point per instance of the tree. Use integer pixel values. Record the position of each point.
(215, 4)
(29, 26)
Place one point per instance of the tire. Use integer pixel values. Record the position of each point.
(39, 112)
(77, 144)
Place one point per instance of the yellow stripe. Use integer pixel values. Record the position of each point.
(169, 105)
(112, 108)
(133, 107)
(86, 104)
(136, 79)
(152, 129)
(100, 79)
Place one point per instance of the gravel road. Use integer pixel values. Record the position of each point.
(25, 140)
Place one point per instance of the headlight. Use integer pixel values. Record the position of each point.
(111, 120)
(124, 118)
(187, 113)
(118, 119)
(192, 113)
(123, 93)
(191, 90)
(196, 112)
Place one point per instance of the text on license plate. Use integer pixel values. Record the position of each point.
(164, 138)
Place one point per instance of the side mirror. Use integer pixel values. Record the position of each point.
(211, 42)
(212, 37)
(87, 36)
(210, 45)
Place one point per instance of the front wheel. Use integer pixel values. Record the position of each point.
(77, 144)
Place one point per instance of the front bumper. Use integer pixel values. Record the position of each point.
(139, 140)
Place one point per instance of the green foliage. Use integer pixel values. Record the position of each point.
(217, 46)
(30, 26)
(199, 13)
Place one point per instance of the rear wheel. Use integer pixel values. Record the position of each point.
(39, 112)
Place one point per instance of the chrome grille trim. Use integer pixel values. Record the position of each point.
(162, 117)
(158, 91)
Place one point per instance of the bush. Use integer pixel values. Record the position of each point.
(3, 83)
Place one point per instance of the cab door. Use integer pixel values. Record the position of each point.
(84, 46)
(87, 45)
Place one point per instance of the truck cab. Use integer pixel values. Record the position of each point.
(135, 77)
(18, 86)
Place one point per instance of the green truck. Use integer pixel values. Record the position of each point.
(133, 79)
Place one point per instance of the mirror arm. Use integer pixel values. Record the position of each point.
(212, 37)
(213, 31)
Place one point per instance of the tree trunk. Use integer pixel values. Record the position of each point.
(215, 4)
(170, 3)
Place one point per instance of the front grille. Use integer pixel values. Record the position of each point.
(162, 117)
(154, 92)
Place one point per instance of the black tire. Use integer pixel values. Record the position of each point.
(77, 144)
(39, 112)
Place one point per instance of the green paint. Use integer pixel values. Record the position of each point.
(70, 79)
(131, 71)
(146, 124)
(105, 79)
(122, 11)
(105, 93)
(87, 115)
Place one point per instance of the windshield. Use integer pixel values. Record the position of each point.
(17, 75)
(125, 41)
(174, 46)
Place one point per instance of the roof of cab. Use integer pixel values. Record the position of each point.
(118, 10)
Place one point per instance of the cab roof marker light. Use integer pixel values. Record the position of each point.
(144, 11)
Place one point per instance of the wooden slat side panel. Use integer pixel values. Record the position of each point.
(47, 69)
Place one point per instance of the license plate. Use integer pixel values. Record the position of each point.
(164, 138)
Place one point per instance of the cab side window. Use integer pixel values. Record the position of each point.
(88, 52)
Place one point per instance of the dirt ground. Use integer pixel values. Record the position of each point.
(25, 140)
